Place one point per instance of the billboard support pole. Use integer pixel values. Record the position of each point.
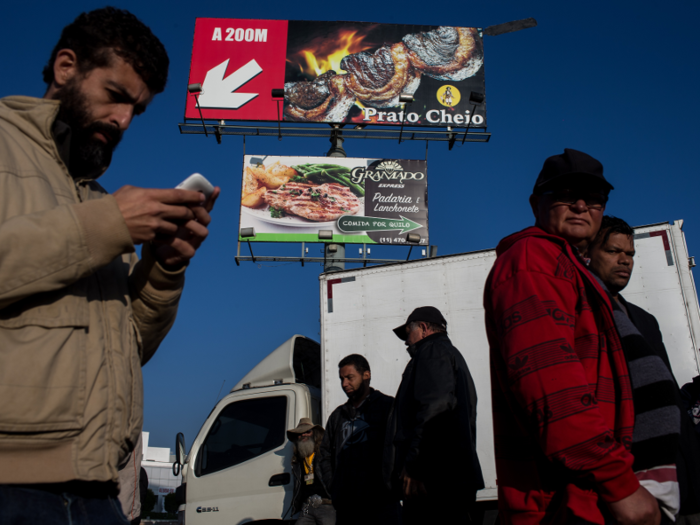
(334, 251)
(278, 95)
(336, 141)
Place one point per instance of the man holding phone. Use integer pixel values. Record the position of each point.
(79, 313)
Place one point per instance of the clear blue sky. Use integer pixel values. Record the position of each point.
(618, 80)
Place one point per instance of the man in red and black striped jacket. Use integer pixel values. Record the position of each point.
(562, 402)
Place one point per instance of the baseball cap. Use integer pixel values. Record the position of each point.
(572, 164)
(427, 314)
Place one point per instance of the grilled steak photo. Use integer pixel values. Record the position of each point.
(378, 76)
(446, 53)
(378, 79)
(324, 99)
(315, 202)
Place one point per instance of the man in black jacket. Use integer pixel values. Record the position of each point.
(310, 497)
(353, 447)
(612, 260)
(432, 460)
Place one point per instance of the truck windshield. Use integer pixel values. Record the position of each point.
(243, 430)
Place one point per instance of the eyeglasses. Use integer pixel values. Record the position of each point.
(593, 200)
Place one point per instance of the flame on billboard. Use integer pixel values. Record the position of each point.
(326, 54)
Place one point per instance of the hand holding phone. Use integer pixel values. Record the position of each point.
(197, 182)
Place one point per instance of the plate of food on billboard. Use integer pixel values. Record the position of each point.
(377, 201)
(338, 72)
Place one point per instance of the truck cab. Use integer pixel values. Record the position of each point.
(239, 467)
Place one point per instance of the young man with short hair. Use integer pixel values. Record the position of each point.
(353, 447)
(669, 469)
(79, 313)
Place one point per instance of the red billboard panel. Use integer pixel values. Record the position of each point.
(238, 62)
(337, 72)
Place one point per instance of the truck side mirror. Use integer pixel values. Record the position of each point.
(179, 453)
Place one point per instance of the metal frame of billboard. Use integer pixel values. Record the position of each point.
(447, 134)
(429, 252)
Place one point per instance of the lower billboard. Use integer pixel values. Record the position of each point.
(373, 201)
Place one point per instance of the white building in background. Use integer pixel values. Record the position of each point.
(158, 464)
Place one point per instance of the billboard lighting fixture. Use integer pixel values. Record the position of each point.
(196, 89)
(475, 98)
(406, 99)
(325, 235)
(278, 93)
(332, 248)
(413, 238)
(247, 232)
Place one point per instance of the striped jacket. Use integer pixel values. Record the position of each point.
(561, 398)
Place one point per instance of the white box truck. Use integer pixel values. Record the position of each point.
(238, 469)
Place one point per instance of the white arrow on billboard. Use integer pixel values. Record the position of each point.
(217, 91)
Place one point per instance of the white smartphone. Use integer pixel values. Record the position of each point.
(197, 182)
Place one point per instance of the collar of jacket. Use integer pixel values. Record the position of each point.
(571, 251)
(414, 349)
(351, 412)
(530, 231)
(35, 118)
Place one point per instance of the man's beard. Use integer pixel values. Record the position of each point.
(89, 156)
(306, 447)
(358, 393)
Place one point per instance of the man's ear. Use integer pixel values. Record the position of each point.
(65, 67)
(366, 375)
(535, 205)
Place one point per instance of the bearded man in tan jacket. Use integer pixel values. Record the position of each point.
(79, 313)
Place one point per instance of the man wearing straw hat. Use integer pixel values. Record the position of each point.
(311, 498)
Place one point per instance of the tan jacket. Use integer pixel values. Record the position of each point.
(130, 482)
(79, 314)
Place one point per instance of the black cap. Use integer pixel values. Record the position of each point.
(571, 164)
(427, 314)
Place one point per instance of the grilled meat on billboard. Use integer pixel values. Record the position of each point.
(378, 79)
(326, 99)
(320, 203)
(447, 53)
(376, 76)
(360, 200)
(315, 192)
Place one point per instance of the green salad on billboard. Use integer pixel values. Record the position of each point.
(377, 201)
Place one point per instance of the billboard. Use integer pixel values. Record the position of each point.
(374, 201)
(337, 72)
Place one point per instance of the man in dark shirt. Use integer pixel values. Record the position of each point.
(612, 260)
(352, 450)
(310, 498)
(432, 429)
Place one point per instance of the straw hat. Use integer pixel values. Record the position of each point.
(305, 424)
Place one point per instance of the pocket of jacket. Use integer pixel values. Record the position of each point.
(43, 363)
